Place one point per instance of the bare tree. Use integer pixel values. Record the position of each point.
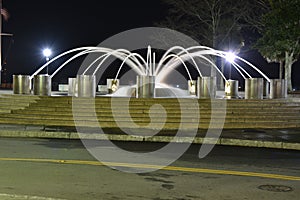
(214, 23)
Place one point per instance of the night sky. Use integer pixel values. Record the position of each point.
(65, 24)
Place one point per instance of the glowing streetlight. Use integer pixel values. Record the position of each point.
(230, 57)
(47, 53)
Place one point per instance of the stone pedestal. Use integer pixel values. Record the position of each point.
(21, 84)
(145, 86)
(278, 88)
(72, 87)
(232, 89)
(206, 87)
(86, 85)
(254, 88)
(266, 89)
(42, 85)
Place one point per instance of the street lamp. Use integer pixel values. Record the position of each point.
(47, 53)
(230, 57)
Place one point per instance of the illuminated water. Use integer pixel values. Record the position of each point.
(150, 66)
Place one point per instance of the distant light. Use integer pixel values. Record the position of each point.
(177, 86)
(230, 57)
(47, 52)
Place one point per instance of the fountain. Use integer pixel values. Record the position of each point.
(151, 74)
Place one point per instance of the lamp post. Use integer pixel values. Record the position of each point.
(47, 53)
(0, 40)
(230, 57)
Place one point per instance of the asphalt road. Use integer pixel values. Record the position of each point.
(64, 169)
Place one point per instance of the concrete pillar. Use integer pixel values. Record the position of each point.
(206, 87)
(254, 88)
(278, 88)
(145, 86)
(21, 84)
(42, 85)
(232, 89)
(192, 87)
(72, 87)
(112, 85)
(266, 89)
(86, 85)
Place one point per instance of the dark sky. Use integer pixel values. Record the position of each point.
(66, 24)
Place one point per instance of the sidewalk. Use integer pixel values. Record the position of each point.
(266, 138)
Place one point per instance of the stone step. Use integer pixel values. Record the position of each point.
(20, 97)
(158, 110)
(108, 99)
(140, 113)
(138, 102)
(172, 106)
(157, 118)
(69, 100)
(165, 101)
(57, 111)
(145, 114)
(169, 119)
(168, 126)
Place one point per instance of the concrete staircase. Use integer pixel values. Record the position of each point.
(8, 103)
(92, 113)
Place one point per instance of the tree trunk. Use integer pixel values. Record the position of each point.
(280, 69)
(213, 71)
(288, 70)
(221, 86)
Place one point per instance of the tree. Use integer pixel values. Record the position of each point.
(214, 23)
(281, 35)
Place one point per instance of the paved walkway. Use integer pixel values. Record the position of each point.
(267, 138)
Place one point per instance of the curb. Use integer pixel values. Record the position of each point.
(166, 139)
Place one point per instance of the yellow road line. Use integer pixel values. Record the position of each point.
(158, 167)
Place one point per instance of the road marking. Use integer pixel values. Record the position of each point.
(158, 167)
(28, 197)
